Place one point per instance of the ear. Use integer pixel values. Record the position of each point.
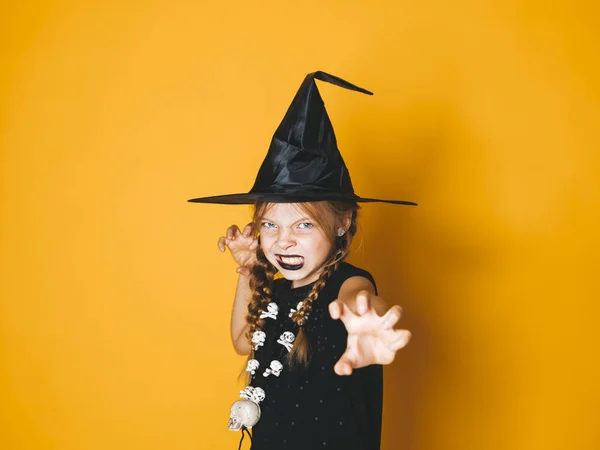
(347, 221)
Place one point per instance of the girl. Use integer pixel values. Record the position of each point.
(310, 404)
(316, 337)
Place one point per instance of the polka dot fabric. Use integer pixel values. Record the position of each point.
(314, 408)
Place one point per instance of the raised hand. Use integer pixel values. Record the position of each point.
(372, 339)
(242, 246)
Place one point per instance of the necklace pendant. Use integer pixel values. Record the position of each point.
(243, 413)
(287, 340)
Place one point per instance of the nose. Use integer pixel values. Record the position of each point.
(285, 240)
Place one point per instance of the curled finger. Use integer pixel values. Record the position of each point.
(391, 317)
(248, 229)
(221, 243)
(232, 231)
(336, 309)
(345, 363)
(243, 270)
(402, 338)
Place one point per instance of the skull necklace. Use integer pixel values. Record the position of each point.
(245, 413)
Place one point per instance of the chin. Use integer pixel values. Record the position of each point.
(303, 276)
(292, 274)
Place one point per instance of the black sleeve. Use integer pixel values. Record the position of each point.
(367, 383)
(368, 402)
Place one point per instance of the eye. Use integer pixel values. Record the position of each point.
(305, 226)
(268, 225)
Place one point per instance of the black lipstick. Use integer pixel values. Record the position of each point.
(289, 266)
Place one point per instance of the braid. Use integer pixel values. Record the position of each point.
(300, 353)
(261, 285)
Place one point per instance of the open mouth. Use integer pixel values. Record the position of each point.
(290, 262)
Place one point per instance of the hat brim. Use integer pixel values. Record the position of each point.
(251, 197)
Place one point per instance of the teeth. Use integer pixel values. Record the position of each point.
(293, 261)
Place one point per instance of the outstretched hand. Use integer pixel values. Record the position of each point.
(372, 339)
(242, 245)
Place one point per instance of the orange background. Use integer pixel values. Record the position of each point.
(115, 302)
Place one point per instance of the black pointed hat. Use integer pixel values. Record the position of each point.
(303, 163)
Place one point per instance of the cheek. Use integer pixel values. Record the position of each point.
(317, 246)
(266, 242)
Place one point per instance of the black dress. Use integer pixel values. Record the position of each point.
(315, 408)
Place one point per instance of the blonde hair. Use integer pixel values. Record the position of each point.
(330, 216)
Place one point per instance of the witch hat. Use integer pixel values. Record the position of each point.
(303, 163)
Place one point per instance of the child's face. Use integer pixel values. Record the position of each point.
(294, 243)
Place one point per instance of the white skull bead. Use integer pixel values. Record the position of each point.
(258, 339)
(272, 310)
(288, 336)
(243, 413)
(286, 339)
(258, 395)
(252, 366)
(292, 310)
(275, 369)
